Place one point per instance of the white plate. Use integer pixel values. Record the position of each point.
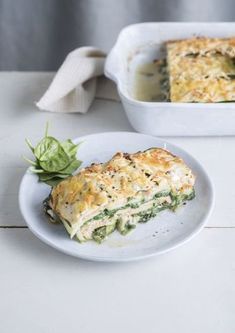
(163, 233)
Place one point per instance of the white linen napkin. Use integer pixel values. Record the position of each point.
(74, 86)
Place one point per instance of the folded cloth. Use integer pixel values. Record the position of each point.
(74, 85)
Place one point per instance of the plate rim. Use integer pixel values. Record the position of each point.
(110, 259)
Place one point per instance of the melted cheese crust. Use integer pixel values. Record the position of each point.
(111, 185)
(201, 70)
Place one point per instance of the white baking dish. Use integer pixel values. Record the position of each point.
(140, 43)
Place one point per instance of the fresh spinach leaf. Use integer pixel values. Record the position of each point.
(54, 161)
(73, 166)
(70, 148)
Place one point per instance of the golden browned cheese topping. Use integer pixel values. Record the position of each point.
(109, 185)
(201, 70)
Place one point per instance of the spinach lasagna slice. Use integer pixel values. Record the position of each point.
(119, 194)
(201, 70)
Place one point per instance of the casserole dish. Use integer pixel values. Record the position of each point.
(143, 43)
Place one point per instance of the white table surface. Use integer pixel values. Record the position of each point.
(189, 290)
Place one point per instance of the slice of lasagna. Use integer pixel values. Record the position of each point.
(128, 189)
(201, 70)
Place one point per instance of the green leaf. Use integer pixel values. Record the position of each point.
(73, 166)
(49, 176)
(70, 148)
(46, 130)
(36, 170)
(51, 155)
(53, 182)
(46, 147)
(29, 161)
(54, 161)
(30, 145)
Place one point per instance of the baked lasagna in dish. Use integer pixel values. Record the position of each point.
(201, 70)
(119, 194)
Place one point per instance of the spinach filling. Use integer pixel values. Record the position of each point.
(124, 227)
(164, 81)
(177, 200)
(101, 233)
(152, 212)
(111, 213)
